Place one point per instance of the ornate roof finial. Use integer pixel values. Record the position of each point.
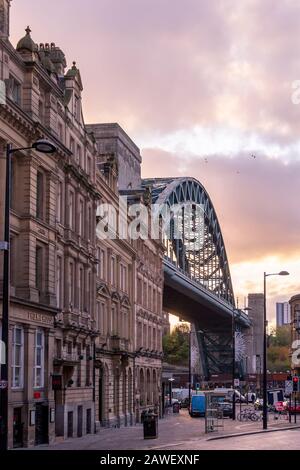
(74, 64)
(26, 43)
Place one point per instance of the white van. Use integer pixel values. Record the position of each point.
(229, 392)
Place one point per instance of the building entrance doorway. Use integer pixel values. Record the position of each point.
(41, 424)
(79, 421)
(18, 428)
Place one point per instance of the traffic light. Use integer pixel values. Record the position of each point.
(295, 383)
(197, 386)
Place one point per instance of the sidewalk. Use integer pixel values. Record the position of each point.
(173, 431)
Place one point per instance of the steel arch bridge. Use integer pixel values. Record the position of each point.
(197, 281)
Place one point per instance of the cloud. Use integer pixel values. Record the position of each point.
(152, 65)
(256, 199)
(167, 70)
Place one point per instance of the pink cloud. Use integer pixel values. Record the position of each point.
(256, 200)
(158, 66)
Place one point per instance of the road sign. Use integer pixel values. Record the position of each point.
(2, 353)
(288, 387)
(3, 384)
(236, 382)
(3, 246)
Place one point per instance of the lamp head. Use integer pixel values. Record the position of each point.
(44, 146)
(283, 273)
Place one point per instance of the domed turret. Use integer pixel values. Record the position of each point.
(26, 43)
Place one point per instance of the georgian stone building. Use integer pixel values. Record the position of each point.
(130, 356)
(115, 313)
(85, 315)
(149, 326)
(53, 265)
(295, 332)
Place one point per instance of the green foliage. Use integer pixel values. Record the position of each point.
(278, 351)
(280, 336)
(176, 345)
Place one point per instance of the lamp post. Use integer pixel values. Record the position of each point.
(258, 373)
(265, 383)
(190, 367)
(171, 380)
(42, 146)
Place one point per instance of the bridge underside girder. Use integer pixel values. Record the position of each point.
(213, 324)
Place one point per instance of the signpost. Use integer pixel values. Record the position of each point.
(2, 352)
(288, 387)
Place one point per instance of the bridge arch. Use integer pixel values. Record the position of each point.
(197, 280)
(199, 251)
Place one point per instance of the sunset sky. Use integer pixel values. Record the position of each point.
(201, 86)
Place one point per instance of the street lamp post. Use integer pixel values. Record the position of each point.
(265, 383)
(42, 146)
(171, 380)
(190, 368)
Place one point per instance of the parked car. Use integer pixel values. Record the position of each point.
(197, 406)
(184, 403)
(228, 392)
(293, 409)
(226, 408)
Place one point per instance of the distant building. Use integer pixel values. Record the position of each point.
(283, 314)
(255, 336)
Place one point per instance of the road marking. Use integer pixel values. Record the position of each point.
(168, 445)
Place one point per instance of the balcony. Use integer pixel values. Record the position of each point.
(71, 236)
(66, 359)
(119, 344)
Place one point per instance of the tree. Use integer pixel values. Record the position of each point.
(278, 349)
(280, 336)
(176, 345)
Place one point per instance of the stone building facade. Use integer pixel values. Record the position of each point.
(115, 313)
(295, 333)
(84, 348)
(254, 336)
(53, 265)
(130, 360)
(149, 326)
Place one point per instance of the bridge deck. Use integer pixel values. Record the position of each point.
(192, 301)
